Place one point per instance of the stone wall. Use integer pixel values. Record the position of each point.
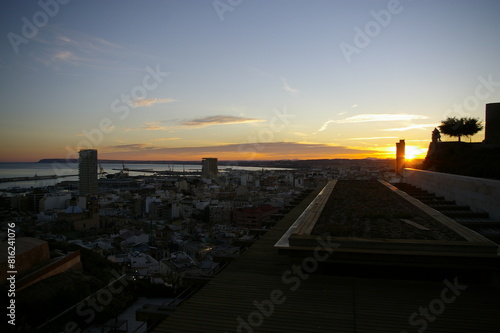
(479, 193)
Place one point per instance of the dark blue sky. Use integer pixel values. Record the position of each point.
(182, 79)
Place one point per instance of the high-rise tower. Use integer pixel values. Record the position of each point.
(87, 172)
(209, 168)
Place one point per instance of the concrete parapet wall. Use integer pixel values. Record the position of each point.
(71, 261)
(480, 194)
(29, 252)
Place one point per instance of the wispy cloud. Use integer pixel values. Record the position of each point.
(268, 151)
(301, 134)
(150, 126)
(375, 138)
(369, 117)
(73, 58)
(134, 147)
(287, 88)
(410, 127)
(139, 102)
(325, 125)
(64, 56)
(354, 106)
(61, 47)
(218, 120)
(166, 139)
(153, 126)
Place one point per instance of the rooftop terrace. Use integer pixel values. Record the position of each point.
(372, 222)
(369, 209)
(279, 286)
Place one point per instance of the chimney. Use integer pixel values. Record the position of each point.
(400, 156)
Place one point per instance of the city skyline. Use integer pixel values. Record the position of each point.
(241, 80)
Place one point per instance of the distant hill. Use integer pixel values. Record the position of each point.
(296, 164)
(58, 160)
(75, 160)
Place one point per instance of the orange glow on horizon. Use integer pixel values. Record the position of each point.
(249, 153)
(247, 157)
(411, 152)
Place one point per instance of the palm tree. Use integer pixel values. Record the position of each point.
(459, 127)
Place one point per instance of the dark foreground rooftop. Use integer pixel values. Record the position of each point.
(265, 290)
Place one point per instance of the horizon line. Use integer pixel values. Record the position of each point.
(49, 160)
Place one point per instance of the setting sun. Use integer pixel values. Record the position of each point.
(412, 152)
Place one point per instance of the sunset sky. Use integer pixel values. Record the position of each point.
(241, 79)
